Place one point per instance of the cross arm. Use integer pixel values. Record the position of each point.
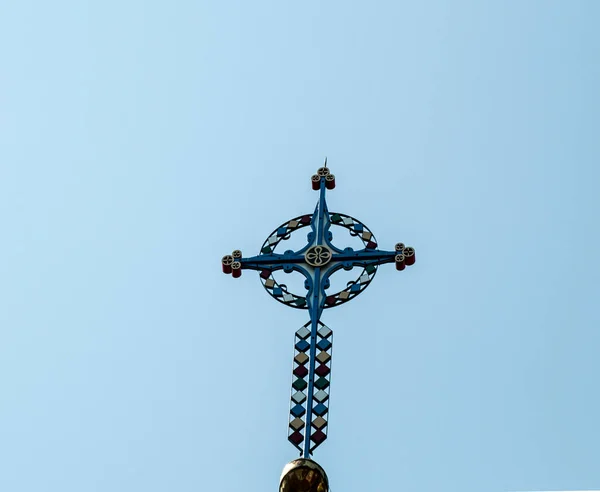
(402, 256)
(235, 263)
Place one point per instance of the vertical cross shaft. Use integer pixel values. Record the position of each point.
(315, 315)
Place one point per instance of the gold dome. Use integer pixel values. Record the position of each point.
(303, 475)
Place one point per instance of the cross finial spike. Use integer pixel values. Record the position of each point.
(325, 165)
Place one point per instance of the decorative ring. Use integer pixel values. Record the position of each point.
(280, 293)
(323, 171)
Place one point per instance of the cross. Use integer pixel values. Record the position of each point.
(317, 261)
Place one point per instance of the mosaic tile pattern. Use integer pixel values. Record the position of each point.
(320, 396)
(356, 228)
(283, 232)
(300, 399)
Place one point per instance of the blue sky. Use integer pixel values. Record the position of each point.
(141, 141)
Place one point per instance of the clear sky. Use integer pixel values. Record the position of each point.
(140, 141)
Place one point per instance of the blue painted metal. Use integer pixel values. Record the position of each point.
(316, 299)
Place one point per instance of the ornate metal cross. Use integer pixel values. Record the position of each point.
(317, 261)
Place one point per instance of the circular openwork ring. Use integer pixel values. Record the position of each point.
(281, 293)
(323, 171)
(317, 256)
(236, 254)
(227, 260)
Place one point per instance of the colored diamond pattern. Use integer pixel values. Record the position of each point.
(296, 438)
(321, 396)
(324, 344)
(297, 424)
(299, 397)
(302, 346)
(303, 332)
(301, 358)
(323, 357)
(320, 410)
(298, 411)
(299, 385)
(324, 331)
(318, 437)
(321, 383)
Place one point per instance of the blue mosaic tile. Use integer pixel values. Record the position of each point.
(320, 410)
(298, 411)
(324, 344)
(302, 346)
